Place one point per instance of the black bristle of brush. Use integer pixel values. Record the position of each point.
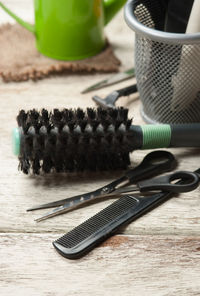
(74, 140)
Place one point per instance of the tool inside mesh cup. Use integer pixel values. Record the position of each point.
(168, 74)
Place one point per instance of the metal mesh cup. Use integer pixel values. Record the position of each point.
(167, 65)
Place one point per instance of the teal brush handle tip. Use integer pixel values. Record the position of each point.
(16, 141)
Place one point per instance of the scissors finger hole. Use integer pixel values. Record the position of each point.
(186, 178)
(158, 161)
(161, 157)
(174, 181)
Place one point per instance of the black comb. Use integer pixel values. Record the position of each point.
(93, 231)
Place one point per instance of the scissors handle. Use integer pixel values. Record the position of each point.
(154, 163)
(164, 183)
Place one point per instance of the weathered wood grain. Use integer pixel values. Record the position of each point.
(19, 192)
(180, 215)
(123, 265)
(161, 253)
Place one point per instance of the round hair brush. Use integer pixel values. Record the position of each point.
(97, 139)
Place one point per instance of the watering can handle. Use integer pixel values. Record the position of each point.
(26, 25)
(111, 7)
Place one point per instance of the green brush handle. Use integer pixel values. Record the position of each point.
(165, 135)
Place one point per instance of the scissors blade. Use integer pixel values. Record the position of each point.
(71, 203)
(125, 190)
(48, 205)
(100, 192)
(122, 76)
(74, 202)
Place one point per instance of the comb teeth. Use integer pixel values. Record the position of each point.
(96, 223)
(74, 140)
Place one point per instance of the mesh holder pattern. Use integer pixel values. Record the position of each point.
(167, 66)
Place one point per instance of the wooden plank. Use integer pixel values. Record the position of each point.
(19, 192)
(161, 256)
(177, 216)
(123, 265)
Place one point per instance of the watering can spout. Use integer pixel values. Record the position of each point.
(111, 7)
(26, 25)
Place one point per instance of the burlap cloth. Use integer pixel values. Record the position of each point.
(20, 61)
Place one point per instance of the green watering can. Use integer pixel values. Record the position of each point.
(70, 29)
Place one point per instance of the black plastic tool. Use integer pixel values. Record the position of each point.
(165, 183)
(153, 164)
(93, 231)
(178, 14)
(110, 100)
(96, 139)
(116, 78)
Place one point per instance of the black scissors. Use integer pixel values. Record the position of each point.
(84, 237)
(153, 164)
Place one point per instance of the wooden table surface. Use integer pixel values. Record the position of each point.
(159, 254)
